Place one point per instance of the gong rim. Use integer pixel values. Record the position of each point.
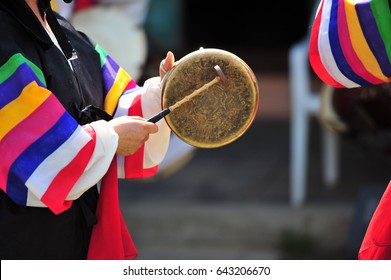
(221, 114)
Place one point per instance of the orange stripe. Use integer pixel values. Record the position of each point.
(19, 109)
(359, 42)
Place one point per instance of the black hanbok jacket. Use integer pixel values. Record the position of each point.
(55, 143)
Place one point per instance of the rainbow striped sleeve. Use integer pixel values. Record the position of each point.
(43, 149)
(116, 80)
(350, 42)
(121, 89)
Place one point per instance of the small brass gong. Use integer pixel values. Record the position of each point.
(221, 113)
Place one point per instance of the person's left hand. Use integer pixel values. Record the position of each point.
(166, 64)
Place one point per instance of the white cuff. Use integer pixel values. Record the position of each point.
(105, 148)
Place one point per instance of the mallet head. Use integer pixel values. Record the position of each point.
(223, 78)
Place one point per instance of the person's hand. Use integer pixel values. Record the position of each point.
(133, 132)
(166, 64)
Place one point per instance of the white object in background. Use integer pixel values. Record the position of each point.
(304, 104)
(178, 155)
(117, 33)
(64, 9)
(136, 9)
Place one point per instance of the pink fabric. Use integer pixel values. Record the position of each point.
(348, 49)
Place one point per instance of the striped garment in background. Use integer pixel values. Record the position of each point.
(350, 42)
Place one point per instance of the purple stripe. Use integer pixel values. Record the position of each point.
(373, 37)
(109, 72)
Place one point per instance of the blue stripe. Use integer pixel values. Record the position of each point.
(13, 86)
(336, 49)
(373, 37)
(35, 154)
(129, 91)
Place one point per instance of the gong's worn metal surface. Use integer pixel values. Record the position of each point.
(222, 112)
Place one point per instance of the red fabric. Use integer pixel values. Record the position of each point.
(376, 244)
(83, 4)
(66, 178)
(110, 238)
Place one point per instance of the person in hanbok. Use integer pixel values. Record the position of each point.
(72, 122)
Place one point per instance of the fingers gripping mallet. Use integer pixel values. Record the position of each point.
(220, 77)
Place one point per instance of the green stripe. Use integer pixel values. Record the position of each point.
(14, 62)
(382, 15)
(102, 54)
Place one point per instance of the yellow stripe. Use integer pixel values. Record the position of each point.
(53, 4)
(359, 42)
(112, 97)
(19, 109)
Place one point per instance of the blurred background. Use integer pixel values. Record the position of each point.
(287, 188)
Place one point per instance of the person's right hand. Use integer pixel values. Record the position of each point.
(133, 132)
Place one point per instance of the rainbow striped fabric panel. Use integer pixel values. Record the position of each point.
(350, 43)
(43, 149)
(116, 80)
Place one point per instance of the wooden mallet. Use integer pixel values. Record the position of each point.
(220, 77)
